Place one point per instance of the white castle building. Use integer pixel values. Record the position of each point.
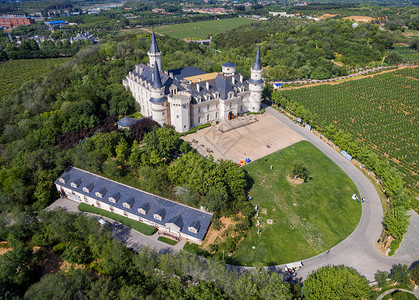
(188, 97)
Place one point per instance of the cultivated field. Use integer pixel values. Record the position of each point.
(307, 218)
(381, 112)
(201, 30)
(15, 72)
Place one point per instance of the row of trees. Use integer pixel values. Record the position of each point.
(46, 49)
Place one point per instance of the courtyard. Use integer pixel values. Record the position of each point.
(263, 136)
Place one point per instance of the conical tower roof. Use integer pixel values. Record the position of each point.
(256, 65)
(156, 78)
(154, 48)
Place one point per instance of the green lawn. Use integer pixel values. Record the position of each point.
(141, 227)
(201, 30)
(167, 241)
(308, 218)
(14, 73)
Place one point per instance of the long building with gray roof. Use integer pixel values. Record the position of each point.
(169, 217)
(188, 97)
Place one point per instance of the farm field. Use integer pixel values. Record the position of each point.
(14, 73)
(307, 218)
(408, 55)
(382, 112)
(201, 30)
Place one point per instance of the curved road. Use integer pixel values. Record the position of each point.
(357, 250)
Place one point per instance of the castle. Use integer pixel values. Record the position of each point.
(188, 97)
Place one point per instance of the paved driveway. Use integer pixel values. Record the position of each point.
(358, 250)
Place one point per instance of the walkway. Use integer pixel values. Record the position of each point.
(358, 250)
(415, 293)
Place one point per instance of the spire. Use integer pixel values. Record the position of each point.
(154, 48)
(256, 65)
(156, 78)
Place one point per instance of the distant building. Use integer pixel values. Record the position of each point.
(282, 14)
(13, 21)
(58, 23)
(169, 217)
(188, 97)
(83, 36)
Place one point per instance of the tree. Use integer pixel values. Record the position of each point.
(396, 222)
(336, 282)
(163, 141)
(400, 274)
(381, 278)
(300, 170)
(122, 150)
(45, 190)
(415, 274)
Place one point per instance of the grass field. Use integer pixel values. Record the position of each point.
(167, 241)
(15, 72)
(203, 29)
(308, 218)
(141, 227)
(381, 112)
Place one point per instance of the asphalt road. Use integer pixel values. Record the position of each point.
(357, 250)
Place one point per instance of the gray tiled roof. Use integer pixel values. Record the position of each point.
(229, 65)
(257, 65)
(156, 204)
(153, 47)
(186, 72)
(127, 122)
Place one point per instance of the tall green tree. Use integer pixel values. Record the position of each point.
(336, 282)
(396, 222)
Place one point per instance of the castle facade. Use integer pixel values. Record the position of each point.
(188, 97)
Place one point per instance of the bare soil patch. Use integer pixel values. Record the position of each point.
(294, 181)
(360, 19)
(325, 16)
(213, 234)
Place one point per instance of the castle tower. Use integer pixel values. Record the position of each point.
(159, 108)
(180, 116)
(255, 84)
(154, 54)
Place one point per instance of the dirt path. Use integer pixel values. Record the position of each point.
(339, 80)
(151, 31)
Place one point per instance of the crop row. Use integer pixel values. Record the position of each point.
(381, 112)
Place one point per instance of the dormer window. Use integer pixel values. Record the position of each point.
(64, 178)
(101, 193)
(76, 183)
(160, 214)
(194, 227)
(129, 203)
(144, 208)
(114, 198)
(88, 188)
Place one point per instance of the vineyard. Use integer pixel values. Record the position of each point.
(381, 112)
(408, 55)
(15, 72)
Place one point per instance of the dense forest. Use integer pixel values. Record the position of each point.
(294, 48)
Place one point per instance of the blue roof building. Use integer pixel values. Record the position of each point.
(126, 122)
(172, 218)
(188, 97)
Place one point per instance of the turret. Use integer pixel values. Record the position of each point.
(154, 54)
(255, 84)
(180, 115)
(158, 101)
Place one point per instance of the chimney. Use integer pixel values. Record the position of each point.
(199, 79)
(207, 85)
(197, 87)
(233, 80)
(171, 74)
(241, 78)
